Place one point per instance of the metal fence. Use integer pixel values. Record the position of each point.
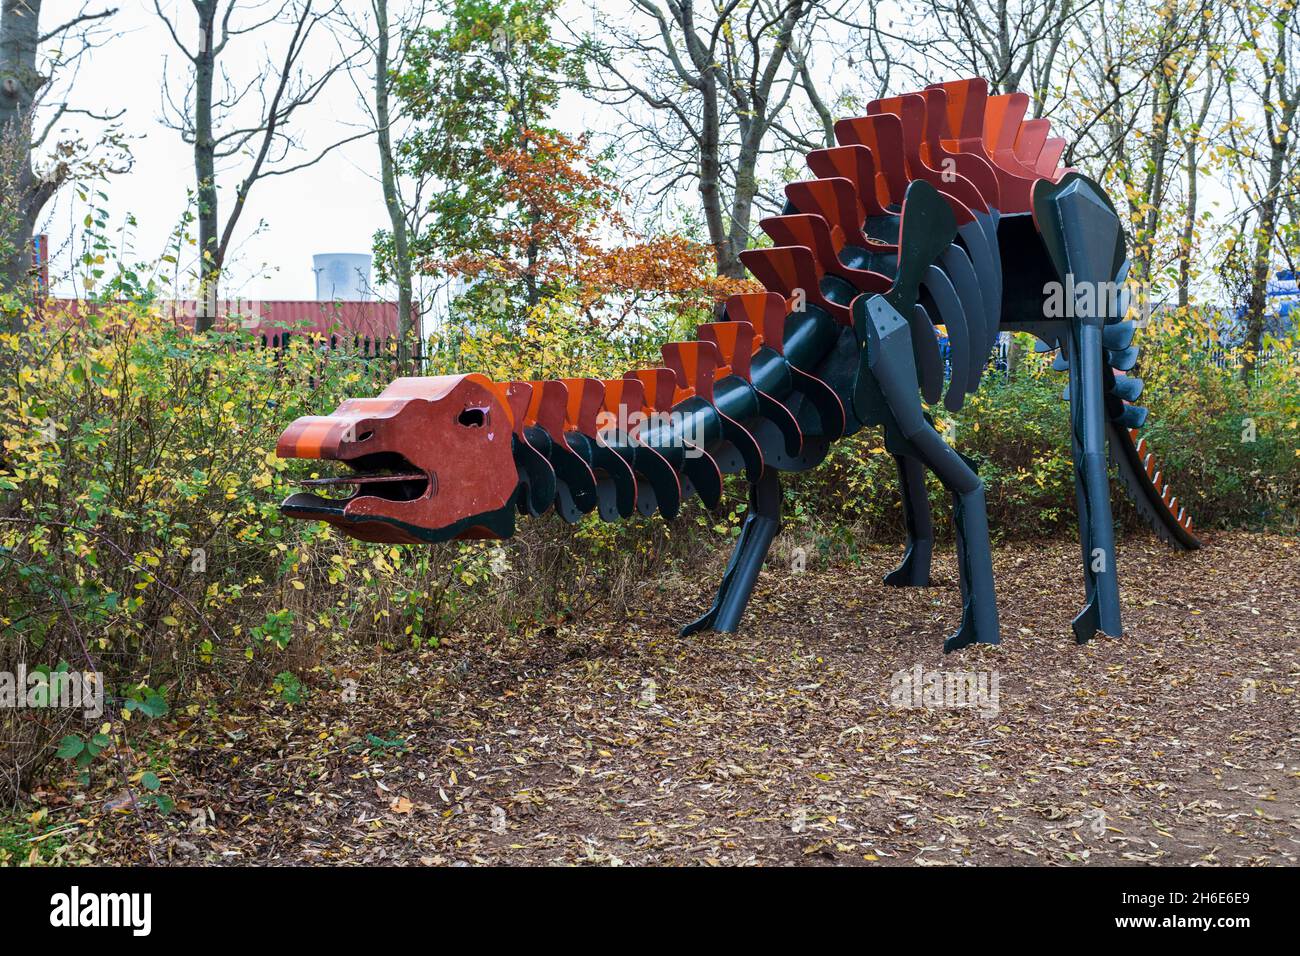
(422, 351)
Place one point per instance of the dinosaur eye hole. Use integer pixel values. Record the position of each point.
(365, 436)
(473, 417)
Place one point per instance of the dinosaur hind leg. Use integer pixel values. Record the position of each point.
(762, 522)
(1083, 237)
(914, 570)
(890, 356)
(1101, 611)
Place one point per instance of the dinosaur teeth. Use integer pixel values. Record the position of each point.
(360, 479)
(390, 485)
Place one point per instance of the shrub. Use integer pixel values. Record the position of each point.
(140, 534)
(1231, 452)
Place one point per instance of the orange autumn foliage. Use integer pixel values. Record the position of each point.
(564, 230)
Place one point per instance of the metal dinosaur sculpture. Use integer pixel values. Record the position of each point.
(944, 208)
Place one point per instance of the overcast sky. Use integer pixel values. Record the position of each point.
(334, 206)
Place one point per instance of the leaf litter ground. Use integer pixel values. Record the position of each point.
(613, 741)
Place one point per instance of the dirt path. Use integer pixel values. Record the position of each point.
(617, 742)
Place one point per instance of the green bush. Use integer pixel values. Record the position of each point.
(141, 537)
(140, 534)
(1230, 452)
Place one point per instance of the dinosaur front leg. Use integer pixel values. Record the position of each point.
(1083, 237)
(1096, 528)
(914, 570)
(891, 364)
(762, 522)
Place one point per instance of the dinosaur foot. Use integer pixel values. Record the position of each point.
(1085, 624)
(702, 623)
(972, 630)
(911, 571)
(1088, 624)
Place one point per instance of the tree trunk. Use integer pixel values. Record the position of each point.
(1188, 237)
(1257, 297)
(406, 319)
(743, 201)
(1285, 99)
(1187, 240)
(205, 170)
(1153, 192)
(22, 193)
(711, 181)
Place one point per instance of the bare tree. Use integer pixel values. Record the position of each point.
(708, 91)
(31, 59)
(223, 118)
(1015, 44)
(385, 41)
(1143, 69)
(1266, 147)
(1194, 134)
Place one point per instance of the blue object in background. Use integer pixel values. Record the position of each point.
(1281, 299)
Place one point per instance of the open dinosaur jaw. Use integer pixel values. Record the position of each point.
(386, 500)
(386, 476)
(384, 529)
(345, 499)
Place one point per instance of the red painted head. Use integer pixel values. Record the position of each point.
(429, 460)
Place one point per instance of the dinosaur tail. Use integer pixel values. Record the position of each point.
(1146, 484)
(1144, 481)
(1139, 472)
(1148, 488)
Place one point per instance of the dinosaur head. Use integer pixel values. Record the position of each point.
(430, 459)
